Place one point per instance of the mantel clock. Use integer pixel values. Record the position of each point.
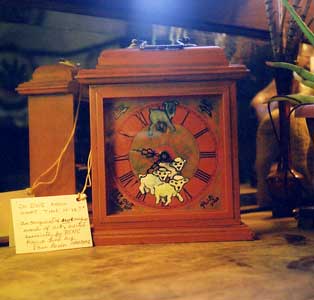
(164, 146)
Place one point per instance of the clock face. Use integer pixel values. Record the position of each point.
(161, 153)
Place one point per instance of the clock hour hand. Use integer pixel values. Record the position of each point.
(163, 156)
(147, 152)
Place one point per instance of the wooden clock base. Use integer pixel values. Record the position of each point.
(234, 232)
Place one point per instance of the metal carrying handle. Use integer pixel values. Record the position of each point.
(142, 45)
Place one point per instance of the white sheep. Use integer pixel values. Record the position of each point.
(174, 166)
(150, 181)
(165, 191)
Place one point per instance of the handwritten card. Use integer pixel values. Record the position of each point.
(50, 223)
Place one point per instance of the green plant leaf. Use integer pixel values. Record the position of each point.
(303, 73)
(305, 82)
(305, 29)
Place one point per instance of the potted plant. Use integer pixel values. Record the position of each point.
(284, 182)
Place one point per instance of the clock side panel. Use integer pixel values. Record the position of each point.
(234, 150)
(98, 155)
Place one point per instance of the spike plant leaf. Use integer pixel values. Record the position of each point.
(303, 73)
(305, 29)
(307, 83)
(304, 76)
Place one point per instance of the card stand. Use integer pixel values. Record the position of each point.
(52, 99)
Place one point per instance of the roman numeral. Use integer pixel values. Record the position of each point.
(121, 157)
(127, 178)
(185, 117)
(186, 193)
(208, 154)
(140, 197)
(203, 176)
(200, 133)
(140, 116)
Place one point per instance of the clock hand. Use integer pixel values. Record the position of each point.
(147, 152)
(163, 156)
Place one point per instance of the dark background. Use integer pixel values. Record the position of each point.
(30, 37)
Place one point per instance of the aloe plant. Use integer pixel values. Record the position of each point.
(303, 26)
(304, 76)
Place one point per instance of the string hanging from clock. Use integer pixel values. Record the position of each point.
(88, 181)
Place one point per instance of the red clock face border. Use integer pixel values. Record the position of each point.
(164, 153)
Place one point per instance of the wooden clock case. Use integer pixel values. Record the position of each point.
(145, 74)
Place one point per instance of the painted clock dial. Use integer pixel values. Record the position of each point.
(163, 152)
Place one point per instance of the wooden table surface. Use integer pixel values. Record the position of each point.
(279, 264)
